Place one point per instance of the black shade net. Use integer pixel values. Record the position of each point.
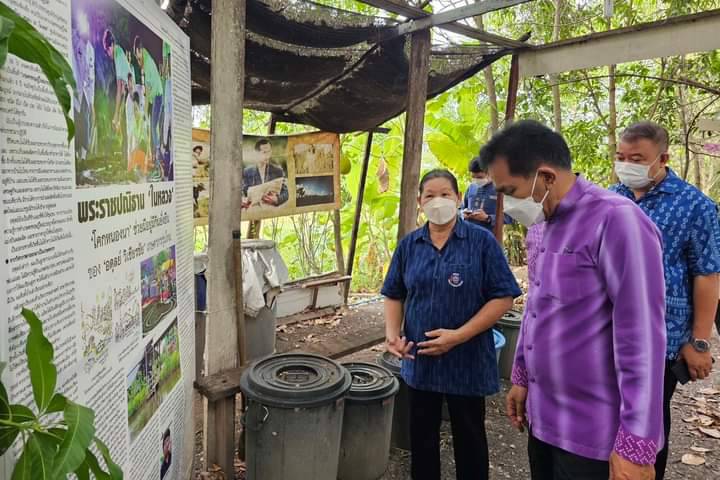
(320, 66)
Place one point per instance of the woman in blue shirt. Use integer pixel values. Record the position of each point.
(480, 200)
(447, 285)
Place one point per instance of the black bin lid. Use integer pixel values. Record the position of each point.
(512, 318)
(295, 380)
(391, 362)
(370, 382)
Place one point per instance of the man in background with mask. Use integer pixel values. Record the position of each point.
(480, 199)
(588, 372)
(688, 221)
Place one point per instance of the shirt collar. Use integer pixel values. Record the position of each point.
(570, 200)
(460, 230)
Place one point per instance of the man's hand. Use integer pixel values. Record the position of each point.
(699, 364)
(515, 406)
(271, 198)
(443, 341)
(400, 347)
(246, 204)
(478, 216)
(621, 469)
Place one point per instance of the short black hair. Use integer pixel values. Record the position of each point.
(108, 39)
(261, 142)
(526, 145)
(440, 173)
(166, 435)
(649, 130)
(476, 166)
(198, 147)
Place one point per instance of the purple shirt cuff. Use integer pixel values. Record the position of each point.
(638, 450)
(519, 376)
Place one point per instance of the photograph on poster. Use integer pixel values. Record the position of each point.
(314, 191)
(201, 178)
(158, 288)
(152, 379)
(265, 174)
(96, 329)
(314, 159)
(166, 458)
(123, 102)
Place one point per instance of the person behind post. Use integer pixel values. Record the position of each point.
(480, 199)
(449, 283)
(688, 221)
(263, 172)
(588, 372)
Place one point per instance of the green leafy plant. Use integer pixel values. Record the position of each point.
(57, 439)
(21, 39)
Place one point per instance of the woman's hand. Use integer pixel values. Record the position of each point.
(443, 341)
(400, 347)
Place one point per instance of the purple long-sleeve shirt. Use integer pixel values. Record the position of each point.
(592, 345)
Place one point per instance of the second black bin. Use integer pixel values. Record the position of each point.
(367, 422)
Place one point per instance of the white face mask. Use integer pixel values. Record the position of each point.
(634, 175)
(440, 211)
(526, 211)
(481, 182)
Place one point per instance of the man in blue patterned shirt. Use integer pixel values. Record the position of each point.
(688, 221)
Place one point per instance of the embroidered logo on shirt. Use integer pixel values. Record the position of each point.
(455, 280)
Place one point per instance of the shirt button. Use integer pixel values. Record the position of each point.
(537, 283)
(542, 250)
(529, 347)
(534, 315)
(532, 380)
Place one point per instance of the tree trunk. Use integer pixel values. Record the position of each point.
(490, 86)
(612, 116)
(557, 112)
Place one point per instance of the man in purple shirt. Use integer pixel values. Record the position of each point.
(588, 373)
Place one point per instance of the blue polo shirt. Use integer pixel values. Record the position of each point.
(444, 289)
(483, 198)
(688, 221)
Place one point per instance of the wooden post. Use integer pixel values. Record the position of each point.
(228, 75)
(418, 71)
(510, 105)
(337, 231)
(358, 210)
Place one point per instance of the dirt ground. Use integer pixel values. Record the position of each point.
(695, 406)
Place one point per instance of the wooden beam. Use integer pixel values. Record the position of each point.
(399, 7)
(358, 211)
(419, 69)
(451, 16)
(510, 105)
(674, 36)
(228, 75)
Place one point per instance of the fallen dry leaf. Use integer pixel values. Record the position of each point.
(705, 421)
(700, 449)
(690, 419)
(711, 432)
(709, 391)
(692, 459)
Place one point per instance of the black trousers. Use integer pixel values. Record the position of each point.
(717, 318)
(552, 463)
(467, 417)
(668, 391)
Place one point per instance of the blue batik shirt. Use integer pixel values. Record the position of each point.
(445, 289)
(688, 221)
(483, 198)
